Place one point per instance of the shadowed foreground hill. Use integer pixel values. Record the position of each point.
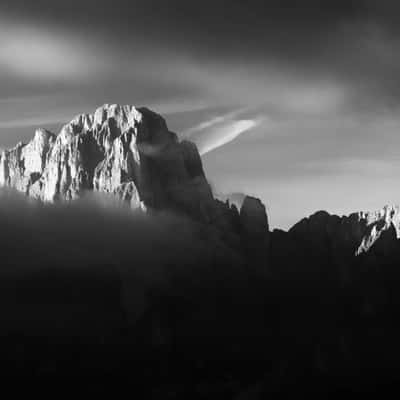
(147, 283)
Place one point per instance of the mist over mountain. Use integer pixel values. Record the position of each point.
(118, 260)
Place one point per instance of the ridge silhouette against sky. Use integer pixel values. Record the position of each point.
(298, 100)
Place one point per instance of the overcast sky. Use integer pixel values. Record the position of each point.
(296, 102)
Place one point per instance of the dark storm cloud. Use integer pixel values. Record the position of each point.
(232, 17)
(280, 23)
(352, 43)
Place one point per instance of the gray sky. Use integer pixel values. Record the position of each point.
(296, 102)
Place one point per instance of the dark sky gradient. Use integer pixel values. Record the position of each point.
(296, 102)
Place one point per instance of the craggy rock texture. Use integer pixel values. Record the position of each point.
(123, 150)
(23, 165)
(377, 223)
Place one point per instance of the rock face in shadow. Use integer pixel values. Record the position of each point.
(255, 233)
(356, 233)
(328, 246)
(360, 229)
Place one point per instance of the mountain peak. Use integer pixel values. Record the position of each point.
(115, 148)
(120, 117)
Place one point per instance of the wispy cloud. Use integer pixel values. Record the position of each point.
(212, 122)
(220, 130)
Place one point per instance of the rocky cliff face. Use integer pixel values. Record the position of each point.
(24, 164)
(377, 224)
(122, 150)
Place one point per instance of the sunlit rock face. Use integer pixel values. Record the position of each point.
(377, 224)
(22, 166)
(122, 150)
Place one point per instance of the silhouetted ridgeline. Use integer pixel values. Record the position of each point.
(186, 296)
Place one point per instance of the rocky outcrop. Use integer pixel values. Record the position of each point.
(255, 233)
(24, 164)
(122, 150)
(253, 217)
(376, 224)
